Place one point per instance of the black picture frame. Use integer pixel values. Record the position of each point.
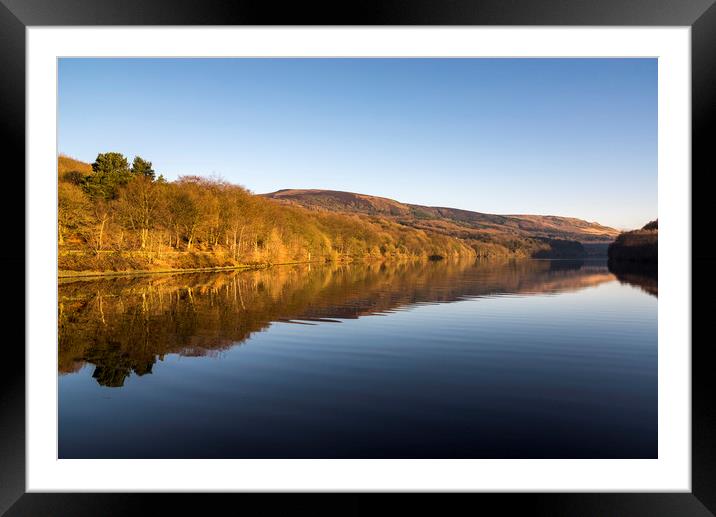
(700, 15)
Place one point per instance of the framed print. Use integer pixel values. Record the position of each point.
(421, 250)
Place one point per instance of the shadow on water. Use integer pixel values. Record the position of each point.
(124, 325)
(641, 275)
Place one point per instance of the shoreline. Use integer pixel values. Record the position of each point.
(69, 274)
(142, 272)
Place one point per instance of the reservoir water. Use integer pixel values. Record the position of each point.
(513, 359)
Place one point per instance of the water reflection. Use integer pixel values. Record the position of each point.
(124, 325)
(527, 359)
(641, 275)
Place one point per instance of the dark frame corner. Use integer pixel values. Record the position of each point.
(700, 15)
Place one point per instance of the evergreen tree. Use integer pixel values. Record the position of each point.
(141, 167)
(109, 171)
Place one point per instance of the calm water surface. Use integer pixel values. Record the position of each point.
(524, 359)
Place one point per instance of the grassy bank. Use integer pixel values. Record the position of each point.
(80, 262)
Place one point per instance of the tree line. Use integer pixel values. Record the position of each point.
(117, 215)
(641, 246)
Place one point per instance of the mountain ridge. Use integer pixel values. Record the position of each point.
(447, 219)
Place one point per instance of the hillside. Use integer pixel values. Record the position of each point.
(117, 216)
(452, 221)
(67, 164)
(113, 216)
(636, 246)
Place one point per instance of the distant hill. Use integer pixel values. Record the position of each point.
(451, 221)
(339, 201)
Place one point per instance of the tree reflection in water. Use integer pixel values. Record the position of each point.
(123, 325)
(642, 275)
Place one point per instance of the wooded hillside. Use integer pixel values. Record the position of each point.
(637, 245)
(117, 216)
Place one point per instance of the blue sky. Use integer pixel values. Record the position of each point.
(572, 137)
